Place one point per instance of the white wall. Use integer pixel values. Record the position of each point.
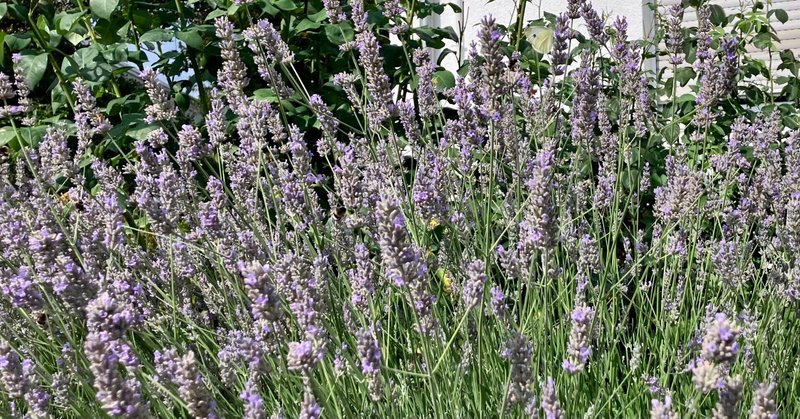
(636, 11)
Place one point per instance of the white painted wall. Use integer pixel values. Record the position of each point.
(636, 11)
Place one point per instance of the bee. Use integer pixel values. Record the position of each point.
(41, 319)
(339, 213)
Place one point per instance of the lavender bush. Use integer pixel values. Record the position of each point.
(557, 234)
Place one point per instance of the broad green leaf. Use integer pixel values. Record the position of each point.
(305, 25)
(18, 41)
(57, 98)
(64, 21)
(287, 5)
(781, 15)
(33, 66)
(75, 38)
(103, 8)
(684, 74)
(3, 9)
(444, 80)
(192, 38)
(339, 33)
(215, 14)
(318, 17)
(7, 134)
(157, 35)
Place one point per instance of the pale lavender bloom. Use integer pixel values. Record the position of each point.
(584, 104)
(362, 279)
(594, 23)
(704, 38)
(408, 119)
(215, 122)
(403, 263)
(678, 199)
(763, 406)
(392, 8)
(253, 403)
(89, 121)
(490, 36)
(675, 33)
(6, 88)
(184, 372)
(193, 146)
(349, 182)
(580, 345)
(381, 105)
(232, 78)
(662, 410)
(429, 189)
(266, 305)
(720, 343)
(334, 10)
(561, 35)
(369, 352)
(498, 302)
(25, 104)
(162, 106)
(550, 403)
(267, 39)
(426, 92)
(20, 288)
(538, 226)
(518, 351)
(326, 120)
(359, 15)
(13, 379)
(118, 396)
(309, 408)
(472, 291)
(241, 352)
(730, 394)
(305, 355)
(574, 9)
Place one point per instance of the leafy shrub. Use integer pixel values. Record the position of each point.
(341, 232)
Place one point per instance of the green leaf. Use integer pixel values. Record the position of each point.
(444, 80)
(192, 38)
(103, 8)
(64, 21)
(7, 134)
(266, 94)
(781, 15)
(157, 35)
(339, 33)
(305, 25)
(215, 14)
(3, 9)
(287, 5)
(57, 98)
(2, 47)
(18, 41)
(763, 41)
(718, 17)
(684, 74)
(33, 66)
(318, 17)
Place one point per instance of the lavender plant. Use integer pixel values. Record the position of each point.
(546, 236)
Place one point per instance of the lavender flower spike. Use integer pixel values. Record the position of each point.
(550, 403)
(764, 402)
(580, 348)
